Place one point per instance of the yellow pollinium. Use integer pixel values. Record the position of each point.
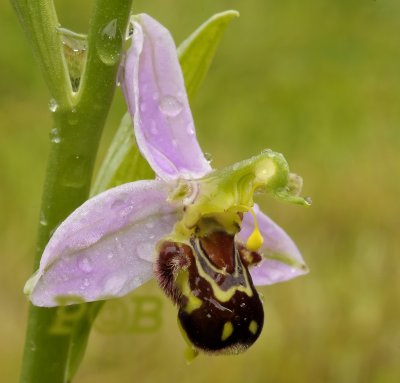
(255, 240)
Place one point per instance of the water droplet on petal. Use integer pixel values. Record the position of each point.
(190, 129)
(117, 204)
(86, 283)
(170, 106)
(156, 96)
(150, 225)
(53, 106)
(121, 208)
(153, 128)
(109, 43)
(129, 32)
(208, 157)
(114, 284)
(174, 143)
(143, 107)
(85, 264)
(145, 250)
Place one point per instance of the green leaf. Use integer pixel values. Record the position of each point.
(196, 53)
(123, 162)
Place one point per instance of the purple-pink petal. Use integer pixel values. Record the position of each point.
(105, 248)
(282, 259)
(154, 89)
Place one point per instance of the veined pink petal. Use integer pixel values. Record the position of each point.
(154, 88)
(282, 259)
(105, 248)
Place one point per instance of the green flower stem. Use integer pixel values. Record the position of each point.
(40, 22)
(78, 123)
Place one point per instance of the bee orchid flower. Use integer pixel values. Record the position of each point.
(197, 230)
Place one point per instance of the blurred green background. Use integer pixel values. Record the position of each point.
(316, 80)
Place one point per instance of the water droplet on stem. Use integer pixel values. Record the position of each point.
(109, 43)
(53, 105)
(55, 136)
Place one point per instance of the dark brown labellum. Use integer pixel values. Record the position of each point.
(219, 309)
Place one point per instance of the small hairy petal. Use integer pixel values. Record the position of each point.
(281, 258)
(105, 248)
(154, 89)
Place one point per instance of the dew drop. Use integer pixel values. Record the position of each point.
(109, 43)
(153, 128)
(129, 32)
(270, 153)
(137, 281)
(121, 208)
(145, 250)
(117, 204)
(110, 256)
(43, 220)
(170, 106)
(190, 129)
(143, 107)
(55, 136)
(308, 200)
(53, 105)
(85, 284)
(75, 172)
(174, 143)
(114, 284)
(149, 225)
(75, 52)
(85, 264)
(208, 157)
(156, 96)
(73, 118)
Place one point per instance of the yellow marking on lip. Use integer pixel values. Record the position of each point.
(183, 282)
(191, 352)
(221, 295)
(227, 331)
(253, 327)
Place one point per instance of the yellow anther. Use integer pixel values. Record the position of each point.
(255, 240)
